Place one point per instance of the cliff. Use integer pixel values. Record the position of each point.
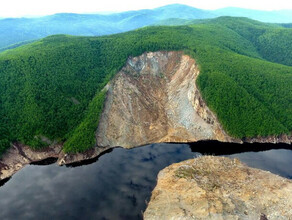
(153, 99)
(219, 188)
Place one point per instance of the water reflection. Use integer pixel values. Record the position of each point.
(117, 186)
(275, 161)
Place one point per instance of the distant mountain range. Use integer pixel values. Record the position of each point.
(16, 30)
(280, 16)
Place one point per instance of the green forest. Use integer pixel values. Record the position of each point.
(51, 90)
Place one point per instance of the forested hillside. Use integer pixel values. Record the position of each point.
(15, 31)
(271, 41)
(274, 16)
(51, 90)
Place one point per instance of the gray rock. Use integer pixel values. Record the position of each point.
(219, 188)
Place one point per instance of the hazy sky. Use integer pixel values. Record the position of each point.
(17, 8)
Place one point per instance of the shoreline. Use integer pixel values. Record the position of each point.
(19, 155)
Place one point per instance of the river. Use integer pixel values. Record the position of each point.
(118, 184)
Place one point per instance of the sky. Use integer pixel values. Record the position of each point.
(19, 8)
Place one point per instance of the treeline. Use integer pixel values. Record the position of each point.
(52, 89)
(272, 41)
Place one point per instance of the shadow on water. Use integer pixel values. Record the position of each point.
(215, 148)
(52, 160)
(220, 148)
(45, 162)
(118, 183)
(2, 182)
(89, 161)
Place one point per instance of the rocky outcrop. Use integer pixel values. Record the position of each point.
(153, 99)
(284, 138)
(219, 188)
(20, 155)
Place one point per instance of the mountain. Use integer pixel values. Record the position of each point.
(14, 30)
(18, 30)
(280, 16)
(52, 90)
(287, 25)
(182, 12)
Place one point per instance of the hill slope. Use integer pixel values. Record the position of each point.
(276, 16)
(51, 90)
(16, 30)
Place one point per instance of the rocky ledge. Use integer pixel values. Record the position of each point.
(219, 188)
(20, 155)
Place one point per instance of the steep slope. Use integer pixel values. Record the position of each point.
(154, 99)
(268, 39)
(51, 91)
(271, 41)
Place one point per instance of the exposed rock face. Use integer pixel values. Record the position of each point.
(219, 188)
(284, 138)
(154, 99)
(20, 155)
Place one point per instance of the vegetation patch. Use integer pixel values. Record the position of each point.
(207, 172)
(245, 78)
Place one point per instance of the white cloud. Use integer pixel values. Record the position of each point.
(16, 8)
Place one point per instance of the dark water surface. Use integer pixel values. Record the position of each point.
(118, 184)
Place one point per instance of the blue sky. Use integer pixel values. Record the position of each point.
(18, 8)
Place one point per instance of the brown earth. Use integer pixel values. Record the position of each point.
(219, 188)
(20, 155)
(154, 99)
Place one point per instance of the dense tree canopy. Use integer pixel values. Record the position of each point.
(52, 88)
